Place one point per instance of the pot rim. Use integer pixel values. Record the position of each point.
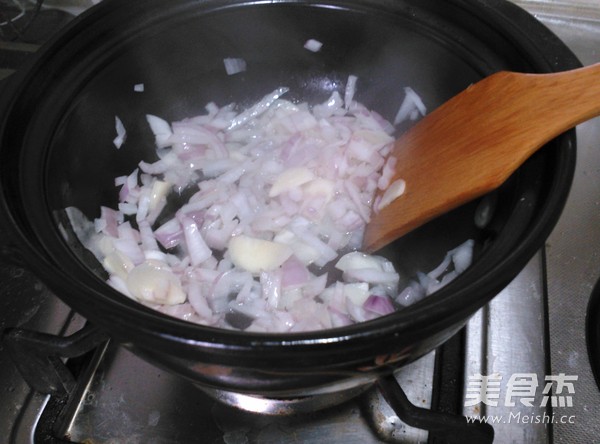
(430, 314)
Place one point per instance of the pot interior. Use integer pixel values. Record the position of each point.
(436, 48)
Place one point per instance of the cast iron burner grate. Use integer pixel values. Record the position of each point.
(40, 359)
(29, 23)
(592, 325)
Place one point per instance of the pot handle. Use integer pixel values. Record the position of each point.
(448, 428)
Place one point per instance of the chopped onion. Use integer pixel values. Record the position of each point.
(161, 129)
(381, 305)
(121, 133)
(273, 195)
(196, 246)
(313, 45)
(258, 109)
(411, 107)
(350, 90)
(234, 65)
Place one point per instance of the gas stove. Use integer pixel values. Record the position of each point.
(521, 363)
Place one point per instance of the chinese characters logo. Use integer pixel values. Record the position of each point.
(522, 388)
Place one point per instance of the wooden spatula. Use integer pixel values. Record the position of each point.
(471, 144)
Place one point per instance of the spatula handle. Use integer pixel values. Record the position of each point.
(550, 103)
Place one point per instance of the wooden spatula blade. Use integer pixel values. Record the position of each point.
(474, 142)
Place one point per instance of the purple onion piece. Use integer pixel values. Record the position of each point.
(381, 305)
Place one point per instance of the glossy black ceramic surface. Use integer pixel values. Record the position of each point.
(56, 151)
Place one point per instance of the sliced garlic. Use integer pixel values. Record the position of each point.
(394, 191)
(290, 179)
(256, 255)
(152, 281)
(160, 189)
(117, 263)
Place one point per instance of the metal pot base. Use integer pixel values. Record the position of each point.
(284, 406)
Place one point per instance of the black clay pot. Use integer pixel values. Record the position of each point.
(57, 126)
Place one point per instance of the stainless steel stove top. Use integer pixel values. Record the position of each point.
(532, 331)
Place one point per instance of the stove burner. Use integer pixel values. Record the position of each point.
(592, 327)
(38, 357)
(284, 406)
